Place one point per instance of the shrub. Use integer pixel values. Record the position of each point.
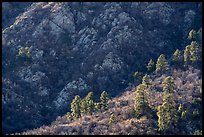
(111, 119)
(24, 52)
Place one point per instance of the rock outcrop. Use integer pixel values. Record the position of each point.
(80, 47)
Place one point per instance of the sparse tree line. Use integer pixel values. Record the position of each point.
(80, 107)
(190, 56)
(169, 112)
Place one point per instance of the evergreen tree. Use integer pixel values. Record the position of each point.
(168, 85)
(137, 77)
(187, 55)
(24, 55)
(191, 53)
(141, 102)
(194, 51)
(162, 64)
(90, 103)
(97, 106)
(24, 52)
(69, 116)
(83, 107)
(192, 35)
(176, 58)
(146, 80)
(75, 107)
(167, 113)
(104, 100)
(150, 65)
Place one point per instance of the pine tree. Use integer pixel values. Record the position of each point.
(150, 65)
(146, 80)
(141, 102)
(191, 53)
(168, 85)
(90, 103)
(24, 52)
(194, 51)
(187, 55)
(167, 113)
(69, 116)
(83, 107)
(104, 100)
(137, 77)
(176, 58)
(192, 35)
(162, 64)
(97, 106)
(75, 107)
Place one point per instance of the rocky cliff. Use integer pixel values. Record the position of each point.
(77, 47)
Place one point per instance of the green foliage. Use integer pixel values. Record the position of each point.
(83, 107)
(180, 108)
(191, 53)
(137, 76)
(90, 103)
(111, 119)
(168, 85)
(104, 100)
(183, 115)
(97, 106)
(24, 55)
(146, 80)
(192, 35)
(187, 55)
(176, 58)
(141, 102)
(24, 52)
(167, 113)
(194, 51)
(69, 116)
(162, 64)
(182, 112)
(75, 107)
(150, 65)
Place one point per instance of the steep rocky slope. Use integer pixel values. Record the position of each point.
(11, 10)
(80, 47)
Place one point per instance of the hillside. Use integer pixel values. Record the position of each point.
(53, 51)
(189, 85)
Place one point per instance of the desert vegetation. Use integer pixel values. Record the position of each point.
(168, 100)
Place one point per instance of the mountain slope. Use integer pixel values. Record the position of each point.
(80, 47)
(188, 83)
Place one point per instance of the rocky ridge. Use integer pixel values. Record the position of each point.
(77, 47)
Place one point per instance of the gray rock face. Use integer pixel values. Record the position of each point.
(80, 47)
(68, 90)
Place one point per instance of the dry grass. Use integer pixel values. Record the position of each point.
(125, 123)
